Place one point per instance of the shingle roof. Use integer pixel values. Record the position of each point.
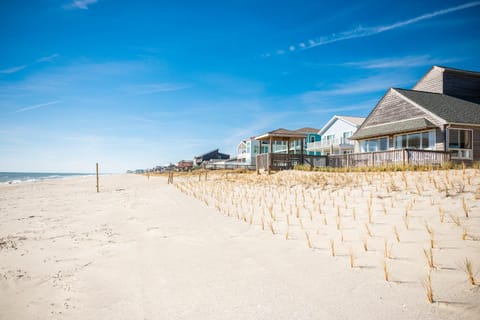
(355, 120)
(458, 70)
(307, 130)
(449, 108)
(394, 127)
(280, 134)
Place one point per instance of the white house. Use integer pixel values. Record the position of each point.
(335, 136)
(248, 149)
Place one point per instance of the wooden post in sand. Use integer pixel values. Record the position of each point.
(98, 187)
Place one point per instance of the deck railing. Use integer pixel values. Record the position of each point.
(325, 144)
(278, 161)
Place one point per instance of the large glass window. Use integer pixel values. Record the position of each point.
(373, 145)
(421, 140)
(460, 143)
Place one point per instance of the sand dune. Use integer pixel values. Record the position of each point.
(197, 249)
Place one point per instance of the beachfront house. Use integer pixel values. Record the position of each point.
(295, 145)
(312, 137)
(286, 149)
(209, 156)
(184, 165)
(440, 113)
(248, 149)
(335, 136)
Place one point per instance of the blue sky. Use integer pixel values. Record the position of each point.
(134, 84)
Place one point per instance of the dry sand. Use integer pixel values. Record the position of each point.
(142, 249)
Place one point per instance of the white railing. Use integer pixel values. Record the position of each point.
(337, 142)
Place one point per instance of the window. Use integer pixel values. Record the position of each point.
(420, 140)
(312, 139)
(460, 143)
(248, 146)
(373, 145)
(255, 149)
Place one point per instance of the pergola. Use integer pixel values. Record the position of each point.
(279, 160)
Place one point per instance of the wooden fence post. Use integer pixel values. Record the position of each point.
(98, 187)
(269, 161)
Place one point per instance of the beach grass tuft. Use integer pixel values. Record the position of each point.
(427, 284)
(429, 255)
(332, 247)
(468, 268)
(385, 270)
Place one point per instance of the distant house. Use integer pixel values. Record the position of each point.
(248, 149)
(313, 137)
(441, 112)
(184, 165)
(211, 155)
(335, 136)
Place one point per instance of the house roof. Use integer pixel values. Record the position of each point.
(393, 127)
(354, 121)
(476, 73)
(450, 109)
(307, 130)
(281, 134)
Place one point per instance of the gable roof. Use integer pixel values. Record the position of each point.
(353, 121)
(448, 108)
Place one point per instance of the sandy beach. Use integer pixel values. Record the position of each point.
(242, 247)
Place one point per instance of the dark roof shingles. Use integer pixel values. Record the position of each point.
(449, 108)
(392, 128)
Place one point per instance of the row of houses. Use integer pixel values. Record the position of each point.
(437, 120)
(333, 138)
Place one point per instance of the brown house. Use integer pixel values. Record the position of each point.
(441, 112)
(184, 165)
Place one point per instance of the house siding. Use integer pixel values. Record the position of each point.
(393, 108)
(461, 85)
(431, 82)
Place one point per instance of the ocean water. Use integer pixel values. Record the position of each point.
(19, 177)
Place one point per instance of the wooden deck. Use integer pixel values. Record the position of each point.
(278, 161)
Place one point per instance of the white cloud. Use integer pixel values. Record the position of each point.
(367, 85)
(38, 106)
(19, 68)
(157, 88)
(47, 58)
(13, 69)
(361, 32)
(79, 4)
(400, 62)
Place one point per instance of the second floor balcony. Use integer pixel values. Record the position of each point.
(340, 142)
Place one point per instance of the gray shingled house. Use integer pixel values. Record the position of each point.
(441, 112)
